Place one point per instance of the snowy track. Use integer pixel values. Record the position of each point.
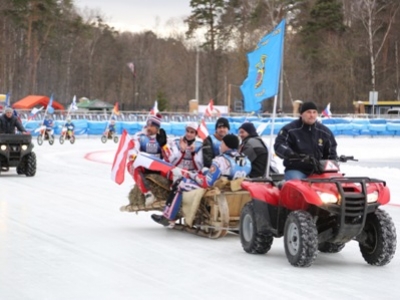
(62, 237)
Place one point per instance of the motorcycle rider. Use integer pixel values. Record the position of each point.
(9, 122)
(185, 152)
(211, 145)
(151, 141)
(69, 125)
(255, 149)
(110, 131)
(48, 123)
(230, 163)
(303, 141)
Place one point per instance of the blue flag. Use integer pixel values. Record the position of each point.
(265, 61)
(50, 108)
(7, 100)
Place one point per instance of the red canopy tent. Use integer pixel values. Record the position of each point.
(34, 100)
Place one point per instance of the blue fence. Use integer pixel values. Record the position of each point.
(339, 126)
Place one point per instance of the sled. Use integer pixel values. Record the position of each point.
(208, 212)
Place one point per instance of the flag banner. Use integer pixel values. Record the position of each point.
(131, 67)
(33, 112)
(327, 111)
(73, 104)
(7, 101)
(50, 108)
(265, 61)
(118, 168)
(211, 110)
(202, 130)
(154, 110)
(151, 162)
(116, 109)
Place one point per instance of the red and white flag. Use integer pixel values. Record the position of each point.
(154, 110)
(202, 130)
(210, 109)
(118, 168)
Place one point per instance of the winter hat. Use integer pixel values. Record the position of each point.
(231, 141)
(222, 122)
(192, 125)
(154, 120)
(249, 128)
(8, 109)
(307, 105)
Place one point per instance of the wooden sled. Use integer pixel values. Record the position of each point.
(209, 213)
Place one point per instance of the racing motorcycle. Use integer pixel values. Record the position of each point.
(67, 133)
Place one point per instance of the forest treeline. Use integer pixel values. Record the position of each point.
(335, 51)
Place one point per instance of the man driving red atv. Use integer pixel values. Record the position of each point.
(304, 141)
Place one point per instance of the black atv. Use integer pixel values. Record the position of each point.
(16, 151)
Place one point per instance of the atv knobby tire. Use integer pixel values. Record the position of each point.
(252, 241)
(379, 245)
(30, 167)
(300, 239)
(327, 247)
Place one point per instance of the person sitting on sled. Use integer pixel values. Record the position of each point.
(185, 152)
(150, 141)
(230, 163)
(302, 141)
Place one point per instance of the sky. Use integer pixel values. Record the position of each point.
(63, 237)
(139, 15)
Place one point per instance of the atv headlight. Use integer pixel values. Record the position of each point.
(3, 147)
(24, 147)
(327, 197)
(373, 197)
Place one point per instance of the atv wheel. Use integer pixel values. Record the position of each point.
(104, 139)
(30, 165)
(378, 239)
(330, 247)
(21, 169)
(72, 139)
(62, 140)
(115, 139)
(252, 241)
(51, 139)
(301, 239)
(39, 139)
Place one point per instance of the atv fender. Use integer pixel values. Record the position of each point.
(298, 195)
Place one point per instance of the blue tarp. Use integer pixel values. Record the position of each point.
(339, 126)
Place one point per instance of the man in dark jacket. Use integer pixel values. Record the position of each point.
(9, 122)
(304, 137)
(212, 143)
(255, 149)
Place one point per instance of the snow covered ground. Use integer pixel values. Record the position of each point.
(62, 236)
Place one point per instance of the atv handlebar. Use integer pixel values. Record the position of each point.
(344, 158)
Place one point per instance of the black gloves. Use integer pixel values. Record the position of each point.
(289, 154)
(161, 137)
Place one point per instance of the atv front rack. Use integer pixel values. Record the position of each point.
(352, 206)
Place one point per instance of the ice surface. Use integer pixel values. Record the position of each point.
(62, 236)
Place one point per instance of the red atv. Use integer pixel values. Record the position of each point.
(322, 212)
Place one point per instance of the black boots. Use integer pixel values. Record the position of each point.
(160, 219)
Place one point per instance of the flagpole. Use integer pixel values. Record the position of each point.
(271, 135)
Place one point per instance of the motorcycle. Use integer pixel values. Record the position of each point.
(67, 133)
(45, 134)
(320, 213)
(109, 135)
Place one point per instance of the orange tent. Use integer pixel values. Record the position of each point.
(34, 100)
